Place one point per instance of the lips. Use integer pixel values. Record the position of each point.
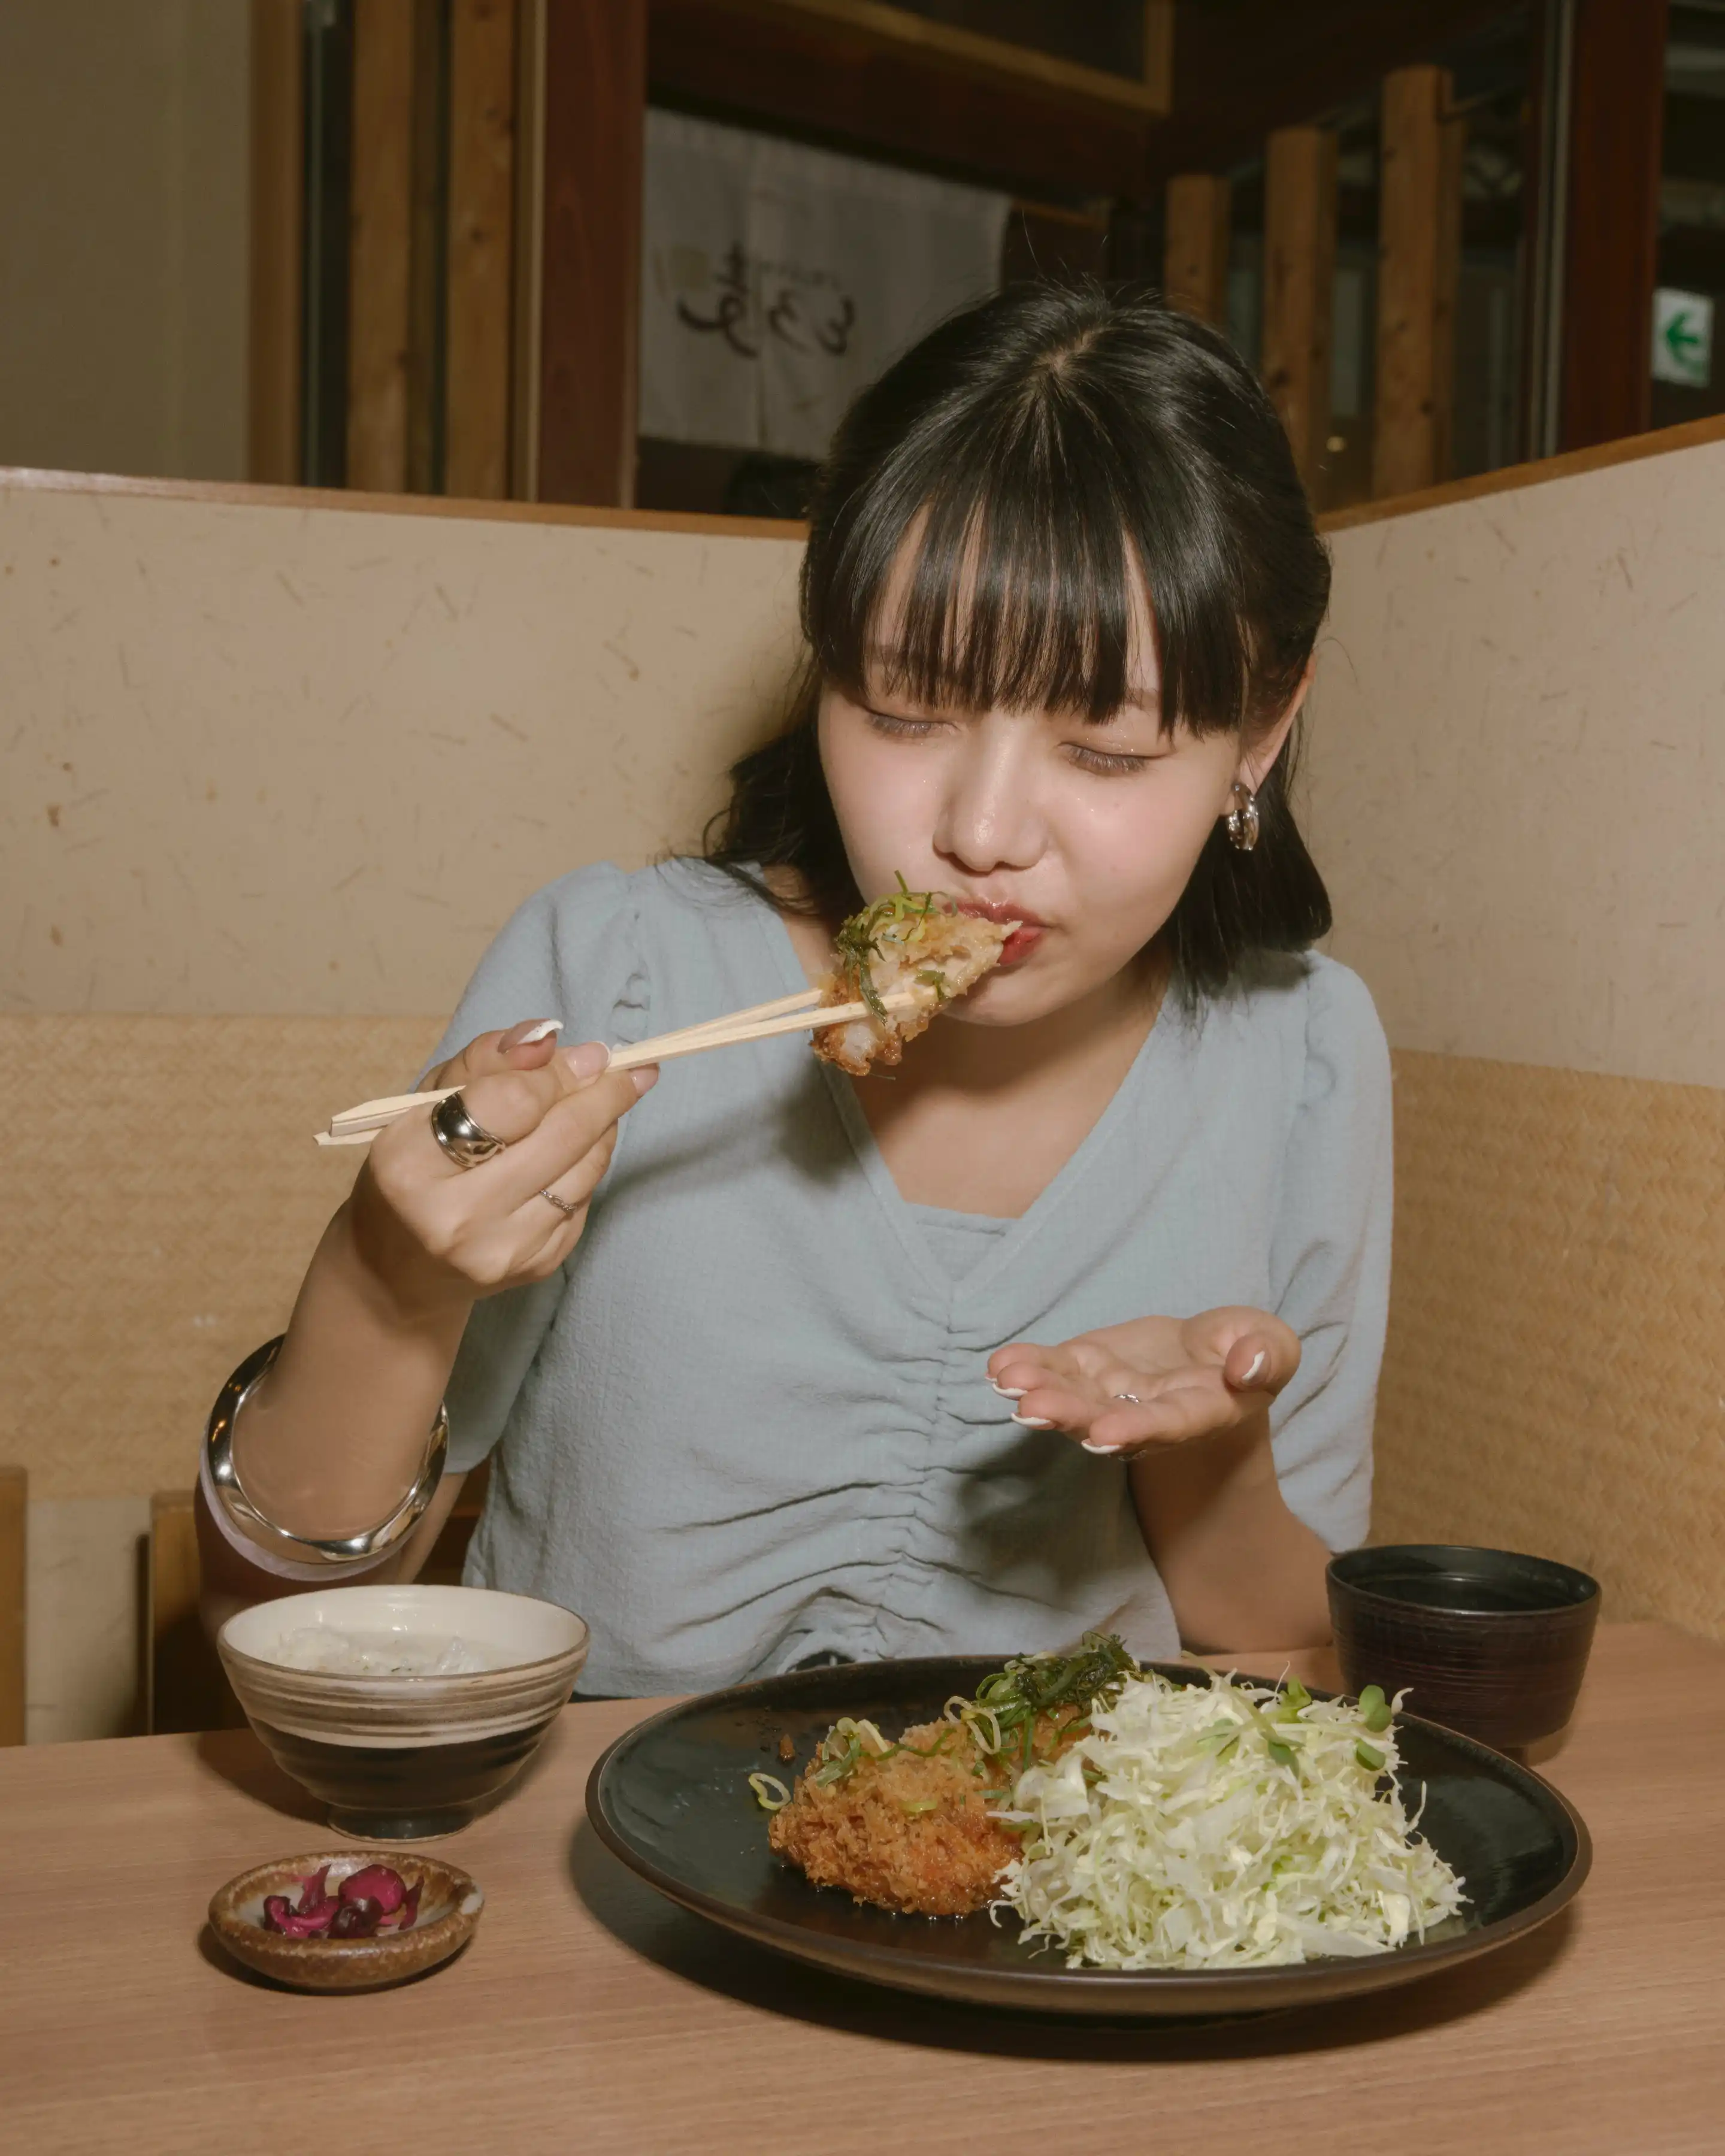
(1001, 909)
(1025, 938)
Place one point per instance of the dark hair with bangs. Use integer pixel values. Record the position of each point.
(1040, 453)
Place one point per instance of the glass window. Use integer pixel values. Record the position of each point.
(1687, 363)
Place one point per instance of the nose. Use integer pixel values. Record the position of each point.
(989, 817)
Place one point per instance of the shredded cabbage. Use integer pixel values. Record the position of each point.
(1221, 1826)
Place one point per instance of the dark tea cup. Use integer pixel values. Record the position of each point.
(1489, 1642)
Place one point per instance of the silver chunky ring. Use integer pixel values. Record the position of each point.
(562, 1204)
(1132, 1397)
(466, 1142)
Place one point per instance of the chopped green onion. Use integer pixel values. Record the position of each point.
(839, 1764)
(900, 916)
(770, 1793)
(935, 1750)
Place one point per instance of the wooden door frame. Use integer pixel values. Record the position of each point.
(1616, 108)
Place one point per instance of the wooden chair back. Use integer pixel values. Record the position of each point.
(14, 1491)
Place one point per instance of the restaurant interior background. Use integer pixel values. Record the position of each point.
(554, 300)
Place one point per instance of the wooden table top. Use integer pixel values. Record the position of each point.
(591, 2015)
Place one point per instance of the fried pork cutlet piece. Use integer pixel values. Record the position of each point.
(916, 941)
(914, 1831)
(912, 1834)
(912, 1826)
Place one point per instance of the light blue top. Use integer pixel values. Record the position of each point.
(959, 1241)
(749, 1422)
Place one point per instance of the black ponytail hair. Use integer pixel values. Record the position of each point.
(1041, 452)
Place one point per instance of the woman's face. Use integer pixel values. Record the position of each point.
(1087, 831)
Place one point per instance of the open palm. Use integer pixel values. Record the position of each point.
(1182, 1379)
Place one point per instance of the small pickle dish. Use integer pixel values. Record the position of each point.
(345, 1920)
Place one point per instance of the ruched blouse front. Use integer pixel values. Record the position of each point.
(750, 1421)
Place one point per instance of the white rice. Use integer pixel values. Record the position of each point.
(332, 1653)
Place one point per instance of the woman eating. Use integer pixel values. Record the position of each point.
(1072, 1319)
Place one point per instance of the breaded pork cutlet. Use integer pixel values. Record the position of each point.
(911, 1825)
(912, 1833)
(916, 943)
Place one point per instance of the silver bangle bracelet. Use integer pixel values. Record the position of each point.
(255, 1527)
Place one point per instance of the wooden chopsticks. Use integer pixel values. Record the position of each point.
(804, 1011)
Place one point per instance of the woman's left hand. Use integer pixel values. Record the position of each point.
(1187, 1378)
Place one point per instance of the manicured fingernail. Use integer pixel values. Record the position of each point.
(528, 1031)
(1033, 1422)
(1256, 1368)
(646, 1078)
(1089, 1446)
(587, 1060)
(1008, 1392)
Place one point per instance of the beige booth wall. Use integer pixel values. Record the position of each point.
(1516, 791)
(319, 747)
(275, 769)
(273, 757)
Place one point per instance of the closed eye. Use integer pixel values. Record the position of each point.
(898, 729)
(1106, 765)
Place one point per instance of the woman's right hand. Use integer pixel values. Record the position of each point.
(434, 1234)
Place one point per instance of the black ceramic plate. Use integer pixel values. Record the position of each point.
(672, 1799)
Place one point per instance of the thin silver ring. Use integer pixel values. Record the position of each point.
(1132, 1397)
(562, 1204)
(465, 1142)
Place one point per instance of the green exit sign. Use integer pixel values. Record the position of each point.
(1683, 338)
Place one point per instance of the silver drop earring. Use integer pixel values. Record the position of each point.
(1242, 819)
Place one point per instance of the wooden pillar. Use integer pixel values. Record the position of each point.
(380, 262)
(1617, 117)
(275, 308)
(427, 216)
(592, 154)
(1299, 286)
(1195, 257)
(529, 249)
(482, 70)
(1160, 50)
(1418, 263)
(14, 1490)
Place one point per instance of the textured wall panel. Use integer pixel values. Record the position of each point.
(1555, 1375)
(1554, 1379)
(157, 1224)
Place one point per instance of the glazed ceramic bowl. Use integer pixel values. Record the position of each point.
(449, 1904)
(405, 1757)
(1489, 1642)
